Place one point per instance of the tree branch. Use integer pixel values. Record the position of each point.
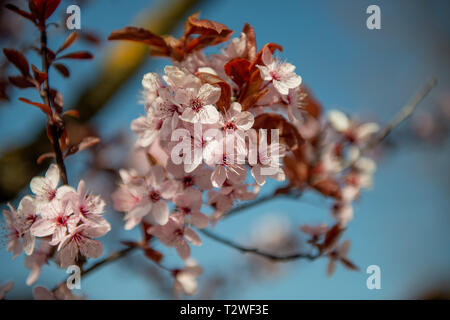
(258, 252)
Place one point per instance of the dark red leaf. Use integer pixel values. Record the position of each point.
(20, 12)
(45, 108)
(21, 82)
(348, 264)
(18, 60)
(288, 134)
(72, 113)
(331, 237)
(68, 42)
(205, 27)
(45, 156)
(258, 59)
(238, 70)
(139, 35)
(153, 255)
(45, 8)
(39, 75)
(82, 55)
(62, 69)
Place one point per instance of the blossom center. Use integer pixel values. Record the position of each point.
(275, 75)
(188, 181)
(196, 104)
(154, 196)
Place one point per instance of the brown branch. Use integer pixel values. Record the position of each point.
(273, 257)
(55, 128)
(112, 257)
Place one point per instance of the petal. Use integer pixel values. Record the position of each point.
(208, 115)
(38, 185)
(52, 176)
(218, 176)
(91, 248)
(244, 120)
(193, 237)
(208, 94)
(42, 228)
(338, 120)
(200, 220)
(183, 250)
(28, 243)
(160, 212)
(267, 56)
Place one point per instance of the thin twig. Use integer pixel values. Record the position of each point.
(112, 257)
(55, 128)
(274, 257)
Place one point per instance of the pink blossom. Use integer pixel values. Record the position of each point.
(174, 234)
(45, 188)
(87, 206)
(189, 203)
(149, 198)
(59, 219)
(281, 75)
(236, 119)
(81, 240)
(186, 278)
(269, 163)
(61, 293)
(198, 104)
(200, 177)
(358, 133)
(35, 261)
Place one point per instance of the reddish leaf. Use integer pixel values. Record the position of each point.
(45, 108)
(45, 8)
(18, 60)
(72, 113)
(331, 237)
(68, 42)
(131, 244)
(45, 156)
(331, 267)
(57, 100)
(327, 187)
(84, 144)
(82, 55)
(21, 82)
(310, 104)
(348, 264)
(252, 92)
(205, 27)
(20, 12)
(62, 69)
(225, 98)
(238, 70)
(90, 37)
(251, 41)
(153, 255)
(288, 134)
(3, 86)
(39, 75)
(140, 35)
(258, 59)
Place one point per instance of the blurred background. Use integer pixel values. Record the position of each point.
(402, 225)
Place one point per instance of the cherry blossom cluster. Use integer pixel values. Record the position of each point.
(204, 115)
(64, 220)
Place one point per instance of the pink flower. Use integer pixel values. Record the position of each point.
(149, 198)
(235, 119)
(200, 177)
(59, 219)
(19, 223)
(174, 234)
(186, 278)
(282, 75)
(35, 261)
(358, 133)
(80, 240)
(188, 208)
(225, 155)
(269, 163)
(151, 84)
(199, 103)
(87, 206)
(45, 188)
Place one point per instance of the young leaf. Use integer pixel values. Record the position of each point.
(43, 9)
(331, 237)
(18, 60)
(84, 144)
(225, 98)
(21, 82)
(68, 42)
(81, 55)
(39, 75)
(20, 12)
(251, 41)
(44, 156)
(62, 69)
(45, 108)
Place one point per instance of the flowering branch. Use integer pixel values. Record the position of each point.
(258, 252)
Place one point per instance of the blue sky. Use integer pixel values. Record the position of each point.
(402, 225)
